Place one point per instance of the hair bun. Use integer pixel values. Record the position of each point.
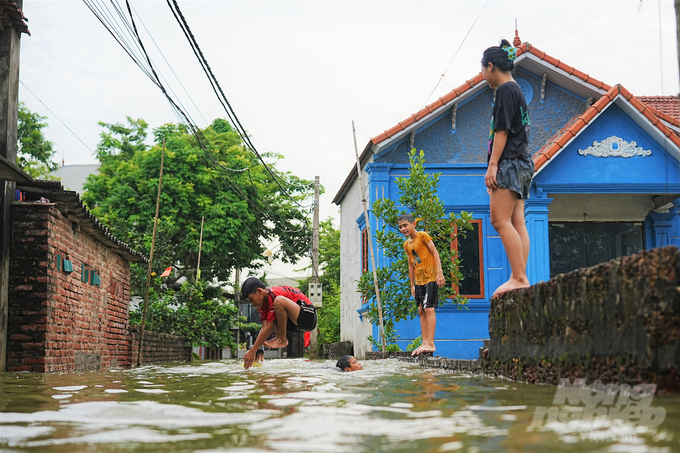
(504, 42)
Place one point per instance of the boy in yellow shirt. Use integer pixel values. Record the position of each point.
(426, 276)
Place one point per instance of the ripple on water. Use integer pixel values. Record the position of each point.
(296, 405)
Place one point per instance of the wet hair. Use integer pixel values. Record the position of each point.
(407, 217)
(250, 286)
(259, 352)
(499, 57)
(344, 362)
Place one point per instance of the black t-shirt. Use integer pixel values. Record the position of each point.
(510, 112)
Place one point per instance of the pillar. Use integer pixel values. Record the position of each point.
(9, 117)
(663, 227)
(536, 217)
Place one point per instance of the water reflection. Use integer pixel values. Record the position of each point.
(301, 406)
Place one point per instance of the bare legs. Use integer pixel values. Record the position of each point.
(284, 309)
(507, 217)
(428, 323)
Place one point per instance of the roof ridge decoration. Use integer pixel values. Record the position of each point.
(615, 147)
(11, 13)
(564, 137)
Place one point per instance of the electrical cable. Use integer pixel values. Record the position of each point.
(216, 87)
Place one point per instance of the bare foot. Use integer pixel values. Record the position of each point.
(276, 343)
(416, 351)
(426, 348)
(510, 285)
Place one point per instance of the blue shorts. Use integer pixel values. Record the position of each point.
(515, 175)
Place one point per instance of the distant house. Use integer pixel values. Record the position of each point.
(606, 185)
(73, 177)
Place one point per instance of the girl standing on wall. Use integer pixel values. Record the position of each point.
(510, 170)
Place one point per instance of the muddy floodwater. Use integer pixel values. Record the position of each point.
(309, 406)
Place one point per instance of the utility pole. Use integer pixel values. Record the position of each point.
(677, 32)
(237, 301)
(370, 240)
(11, 26)
(148, 272)
(315, 263)
(200, 244)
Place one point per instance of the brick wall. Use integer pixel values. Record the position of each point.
(57, 322)
(159, 347)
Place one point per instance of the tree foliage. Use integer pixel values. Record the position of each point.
(419, 198)
(35, 152)
(196, 311)
(242, 204)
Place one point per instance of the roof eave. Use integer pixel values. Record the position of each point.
(349, 180)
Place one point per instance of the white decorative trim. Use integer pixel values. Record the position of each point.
(614, 147)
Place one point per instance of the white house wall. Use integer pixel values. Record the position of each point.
(352, 328)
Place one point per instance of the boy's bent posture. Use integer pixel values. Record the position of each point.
(425, 273)
(282, 308)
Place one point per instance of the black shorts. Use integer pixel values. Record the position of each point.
(515, 175)
(306, 319)
(427, 295)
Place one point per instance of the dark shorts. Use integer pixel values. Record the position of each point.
(427, 295)
(306, 319)
(515, 175)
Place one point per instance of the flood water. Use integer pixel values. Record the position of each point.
(307, 406)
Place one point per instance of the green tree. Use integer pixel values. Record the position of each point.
(197, 311)
(35, 152)
(418, 197)
(242, 204)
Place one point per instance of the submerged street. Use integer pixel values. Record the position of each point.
(304, 406)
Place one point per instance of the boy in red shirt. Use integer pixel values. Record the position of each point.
(282, 308)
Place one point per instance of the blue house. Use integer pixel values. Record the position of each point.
(606, 185)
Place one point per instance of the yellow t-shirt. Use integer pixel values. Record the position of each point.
(421, 258)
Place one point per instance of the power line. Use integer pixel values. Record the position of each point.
(216, 87)
(447, 68)
(140, 56)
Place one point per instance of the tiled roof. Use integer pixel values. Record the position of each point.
(10, 13)
(574, 126)
(667, 107)
(69, 200)
(447, 98)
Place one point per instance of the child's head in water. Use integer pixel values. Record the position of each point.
(497, 62)
(349, 363)
(259, 355)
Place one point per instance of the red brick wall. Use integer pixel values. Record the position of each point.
(159, 347)
(56, 321)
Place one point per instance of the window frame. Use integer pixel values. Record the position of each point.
(454, 247)
(364, 250)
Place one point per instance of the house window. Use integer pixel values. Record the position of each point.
(471, 256)
(364, 250)
(584, 244)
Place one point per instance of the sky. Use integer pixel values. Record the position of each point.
(297, 73)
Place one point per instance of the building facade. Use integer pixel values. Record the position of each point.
(69, 286)
(606, 185)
